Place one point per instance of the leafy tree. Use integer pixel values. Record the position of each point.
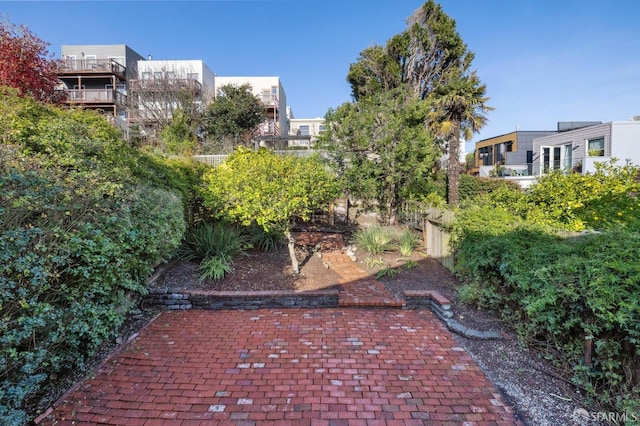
(422, 56)
(232, 118)
(429, 56)
(179, 136)
(380, 146)
(270, 190)
(25, 63)
(457, 108)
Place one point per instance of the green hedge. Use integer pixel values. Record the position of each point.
(558, 291)
(83, 220)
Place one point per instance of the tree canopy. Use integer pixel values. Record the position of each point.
(379, 145)
(232, 118)
(268, 189)
(432, 61)
(25, 63)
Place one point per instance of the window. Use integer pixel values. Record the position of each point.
(193, 76)
(304, 130)
(508, 146)
(321, 128)
(157, 75)
(595, 147)
(555, 158)
(567, 161)
(171, 75)
(146, 75)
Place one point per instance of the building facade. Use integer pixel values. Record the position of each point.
(305, 131)
(163, 86)
(581, 148)
(512, 151)
(97, 76)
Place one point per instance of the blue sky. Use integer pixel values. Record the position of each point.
(543, 61)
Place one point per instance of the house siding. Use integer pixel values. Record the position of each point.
(621, 141)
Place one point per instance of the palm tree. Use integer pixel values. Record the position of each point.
(458, 109)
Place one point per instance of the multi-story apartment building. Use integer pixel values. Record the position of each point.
(162, 86)
(97, 76)
(271, 92)
(145, 92)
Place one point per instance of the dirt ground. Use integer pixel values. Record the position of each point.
(539, 393)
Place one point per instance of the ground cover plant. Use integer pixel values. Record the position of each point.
(81, 228)
(574, 295)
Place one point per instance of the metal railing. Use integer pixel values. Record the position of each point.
(91, 65)
(169, 84)
(93, 96)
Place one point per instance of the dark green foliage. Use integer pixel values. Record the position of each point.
(381, 149)
(80, 232)
(472, 187)
(214, 239)
(232, 119)
(215, 245)
(266, 241)
(558, 291)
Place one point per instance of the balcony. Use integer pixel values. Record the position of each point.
(90, 66)
(269, 128)
(93, 96)
(164, 84)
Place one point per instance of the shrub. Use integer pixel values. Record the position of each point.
(214, 239)
(557, 291)
(408, 241)
(79, 235)
(215, 267)
(215, 245)
(267, 241)
(376, 239)
(472, 187)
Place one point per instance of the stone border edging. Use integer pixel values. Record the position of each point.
(441, 306)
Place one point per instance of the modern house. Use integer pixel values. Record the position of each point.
(271, 92)
(97, 76)
(162, 86)
(581, 148)
(513, 151)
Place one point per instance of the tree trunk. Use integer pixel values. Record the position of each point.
(291, 243)
(453, 172)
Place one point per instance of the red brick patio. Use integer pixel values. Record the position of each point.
(357, 364)
(331, 366)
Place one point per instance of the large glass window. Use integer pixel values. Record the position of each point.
(595, 147)
(304, 130)
(568, 160)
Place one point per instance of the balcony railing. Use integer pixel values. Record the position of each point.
(269, 100)
(269, 128)
(71, 66)
(162, 84)
(96, 96)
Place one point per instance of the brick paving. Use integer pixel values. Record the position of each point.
(336, 366)
(358, 287)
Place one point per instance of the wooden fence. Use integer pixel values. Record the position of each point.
(435, 225)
